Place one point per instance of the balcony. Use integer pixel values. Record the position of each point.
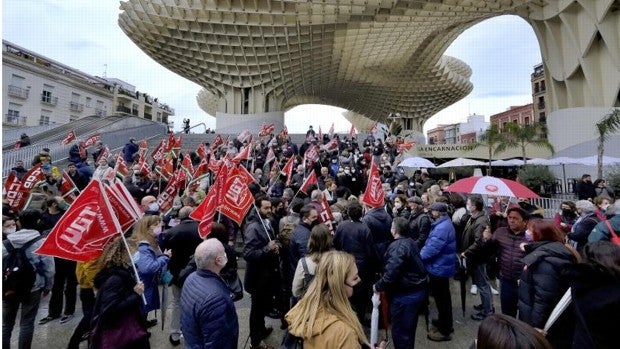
(73, 106)
(53, 101)
(148, 116)
(541, 105)
(18, 92)
(123, 109)
(14, 120)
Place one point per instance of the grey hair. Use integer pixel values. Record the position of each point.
(316, 195)
(585, 206)
(206, 253)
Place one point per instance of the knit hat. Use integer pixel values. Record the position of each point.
(439, 207)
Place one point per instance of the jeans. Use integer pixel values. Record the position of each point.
(480, 279)
(404, 311)
(87, 297)
(509, 296)
(65, 282)
(30, 307)
(175, 321)
(439, 288)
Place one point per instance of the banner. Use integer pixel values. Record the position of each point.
(244, 135)
(236, 198)
(326, 216)
(70, 138)
(374, 194)
(217, 142)
(165, 199)
(121, 208)
(288, 170)
(308, 182)
(17, 196)
(92, 140)
(84, 229)
(158, 152)
(121, 166)
(202, 151)
(266, 130)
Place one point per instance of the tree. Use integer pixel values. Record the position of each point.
(491, 138)
(607, 126)
(520, 136)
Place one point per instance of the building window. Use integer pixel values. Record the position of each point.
(158, 116)
(46, 96)
(44, 120)
(541, 102)
(536, 88)
(527, 120)
(542, 85)
(542, 118)
(12, 116)
(88, 101)
(134, 109)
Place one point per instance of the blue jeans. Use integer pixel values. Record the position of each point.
(480, 279)
(30, 307)
(509, 296)
(404, 317)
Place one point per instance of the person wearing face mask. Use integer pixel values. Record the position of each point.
(9, 226)
(602, 203)
(583, 226)
(399, 207)
(301, 234)
(209, 318)
(602, 189)
(566, 217)
(149, 260)
(603, 230)
(507, 241)
(262, 273)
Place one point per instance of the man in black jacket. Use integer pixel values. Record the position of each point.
(262, 274)
(354, 237)
(585, 189)
(301, 234)
(405, 282)
(419, 221)
(182, 240)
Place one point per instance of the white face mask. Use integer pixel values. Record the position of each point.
(157, 231)
(528, 235)
(9, 231)
(398, 205)
(604, 207)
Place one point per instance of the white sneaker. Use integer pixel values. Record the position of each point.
(473, 289)
(494, 291)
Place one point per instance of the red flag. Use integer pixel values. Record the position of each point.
(121, 166)
(266, 130)
(201, 169)
(124, 193)
(158, 152)
(207, 207)
(402, 147)
(235, 197)
(217, 142)
(244, 154)
(144, 166)
(288, 170)
(333, 144)
(66, 185)
(70, 138)
(187, 165)
(12, 187)
(202, 151)
(92, 140)
(270, 156)
(84, 229)
(214, 165)
(352, 131)
(244, 135)
(19, 191)
(331, 130)
(284, 132)
(105, 153)
(166, 169)
(121, 208)
(308, 182)
(143, 143)
(165, 199)
(320, 134)
(10, 179)
(82, 150)
(312, 153)
(17, 145)
(326, 216)
(374, 194)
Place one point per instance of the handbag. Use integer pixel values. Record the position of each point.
(165, 277)
(291, 342)
(235, 286)
(128, 332)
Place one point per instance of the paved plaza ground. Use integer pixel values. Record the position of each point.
(53, 335)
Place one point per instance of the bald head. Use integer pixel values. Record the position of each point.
(210, 255)
(185, 211)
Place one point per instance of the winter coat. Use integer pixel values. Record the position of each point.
(595, 295)
(262, 265)
(510, 253)
(85, 273)
(43, 265)
(419, 227)
(439, 251)
(129, 149)
(298, 244)
(208, 315)
(472, 239)
(354, 237)
(379, 222)
(582, 228)
(182, 240)
(115, 301)
(150, 267)
(541, 285)
(328, 331)
(601, 230)
(404, 272)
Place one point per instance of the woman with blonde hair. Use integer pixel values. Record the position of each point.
(150, 262)
(324, 318)
(117, 320)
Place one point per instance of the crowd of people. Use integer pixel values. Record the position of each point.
(317, 276)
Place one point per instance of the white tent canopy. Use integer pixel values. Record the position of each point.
(462, 162)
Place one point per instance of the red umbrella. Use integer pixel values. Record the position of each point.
(491, 186)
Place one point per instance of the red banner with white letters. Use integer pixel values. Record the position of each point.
(374, 194)
(235, 197)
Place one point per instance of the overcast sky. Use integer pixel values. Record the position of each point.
(84, 34)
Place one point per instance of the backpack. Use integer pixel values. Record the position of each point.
(307, 276)
(19, 274)
(613, 236)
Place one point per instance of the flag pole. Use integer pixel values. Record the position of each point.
(135, 270)
(262, 222)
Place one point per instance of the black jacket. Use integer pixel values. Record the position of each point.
(298, 244)
(355, 238)
(262, 265)
(541, 284)
(472, 239)
(419, 227)
(182, 240)
(404, 271)
(115, 296)
(379, 222)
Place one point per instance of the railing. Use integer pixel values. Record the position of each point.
(551, 205)
(73, 106)
(123, 109)
(49, 100)
(14, 120)
(15, 91)
(12, 135)
(148, 116)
